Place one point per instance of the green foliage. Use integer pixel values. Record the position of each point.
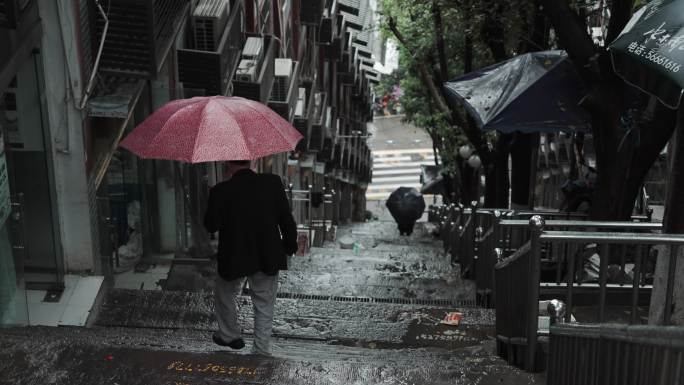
(414, 19)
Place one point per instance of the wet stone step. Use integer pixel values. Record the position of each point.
(409, 258)
(135, 356)
(345, 321)
(387, 281)
(378, 286)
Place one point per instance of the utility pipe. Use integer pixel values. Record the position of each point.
(89, 89)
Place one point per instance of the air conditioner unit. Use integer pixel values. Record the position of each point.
(209, 20)
(283, 67)
(253, 48)
(318, 100)
(247, 71)
(301, 102)
(281, 81)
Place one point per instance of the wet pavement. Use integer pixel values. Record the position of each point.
(127, 356)
(342, 317)
(336, 320)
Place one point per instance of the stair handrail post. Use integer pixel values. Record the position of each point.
(536, 229)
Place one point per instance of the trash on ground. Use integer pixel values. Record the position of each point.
(452, 318)
(346, 242)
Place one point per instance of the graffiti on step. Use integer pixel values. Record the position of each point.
(211, 368)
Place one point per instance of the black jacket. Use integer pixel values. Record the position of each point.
(251, 211)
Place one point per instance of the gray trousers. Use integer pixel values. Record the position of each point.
(263, 290)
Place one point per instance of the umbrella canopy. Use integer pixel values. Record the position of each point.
(207, 129)
(432, 179)
(649, 53)
(406, 205)
(535, 92)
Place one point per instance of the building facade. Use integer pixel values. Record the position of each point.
(77, 75)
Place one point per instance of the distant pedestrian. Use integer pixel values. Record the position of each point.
(256, 233)
(407, 205)
(406, 228)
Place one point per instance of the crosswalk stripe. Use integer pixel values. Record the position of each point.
(392, 187)
(404, 151)
(399, 159)
(391, 179)
(402, 164)
(411, 171)
(383, 196)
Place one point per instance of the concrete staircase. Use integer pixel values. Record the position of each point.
(342, 317)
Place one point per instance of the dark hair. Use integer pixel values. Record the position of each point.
(240, 162)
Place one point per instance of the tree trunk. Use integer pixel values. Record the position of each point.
(497, 185)
(522, 169)
(450, 195)
(674, 208)
(439, 41)
(525, 147)
(467, 44)
(624, 155)
(673, 223)
(469, 187)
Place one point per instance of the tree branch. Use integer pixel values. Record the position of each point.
(422, 69)
(455, 117)
(572, 35)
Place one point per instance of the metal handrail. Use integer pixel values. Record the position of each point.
(531, 262)
(614, 238)
(593, 354)
(666, 336)
(586, 224)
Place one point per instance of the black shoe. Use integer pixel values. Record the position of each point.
(236, 344)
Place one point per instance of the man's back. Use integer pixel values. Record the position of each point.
(250, 211)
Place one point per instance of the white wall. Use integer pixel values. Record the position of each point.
(66, 131)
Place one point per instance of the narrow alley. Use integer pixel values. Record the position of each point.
(369, 315)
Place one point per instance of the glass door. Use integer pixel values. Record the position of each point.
(13, 299)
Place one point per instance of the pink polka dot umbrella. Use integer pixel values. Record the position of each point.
(214, 128)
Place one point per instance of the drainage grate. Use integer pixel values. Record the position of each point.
(398, 301)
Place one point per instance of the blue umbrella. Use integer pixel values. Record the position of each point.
(535, 92)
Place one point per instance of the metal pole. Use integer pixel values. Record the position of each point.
(635, 284)
(309, 215)
(536, 227)
(669, 294)
(603, 280)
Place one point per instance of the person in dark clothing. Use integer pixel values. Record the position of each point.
(406, 228)
(256, 234)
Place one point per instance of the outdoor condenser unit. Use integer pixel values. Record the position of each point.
(301, 102)
(253, 48)
(247, 71)
(209, 20)
(281, 81)
(318, 100)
